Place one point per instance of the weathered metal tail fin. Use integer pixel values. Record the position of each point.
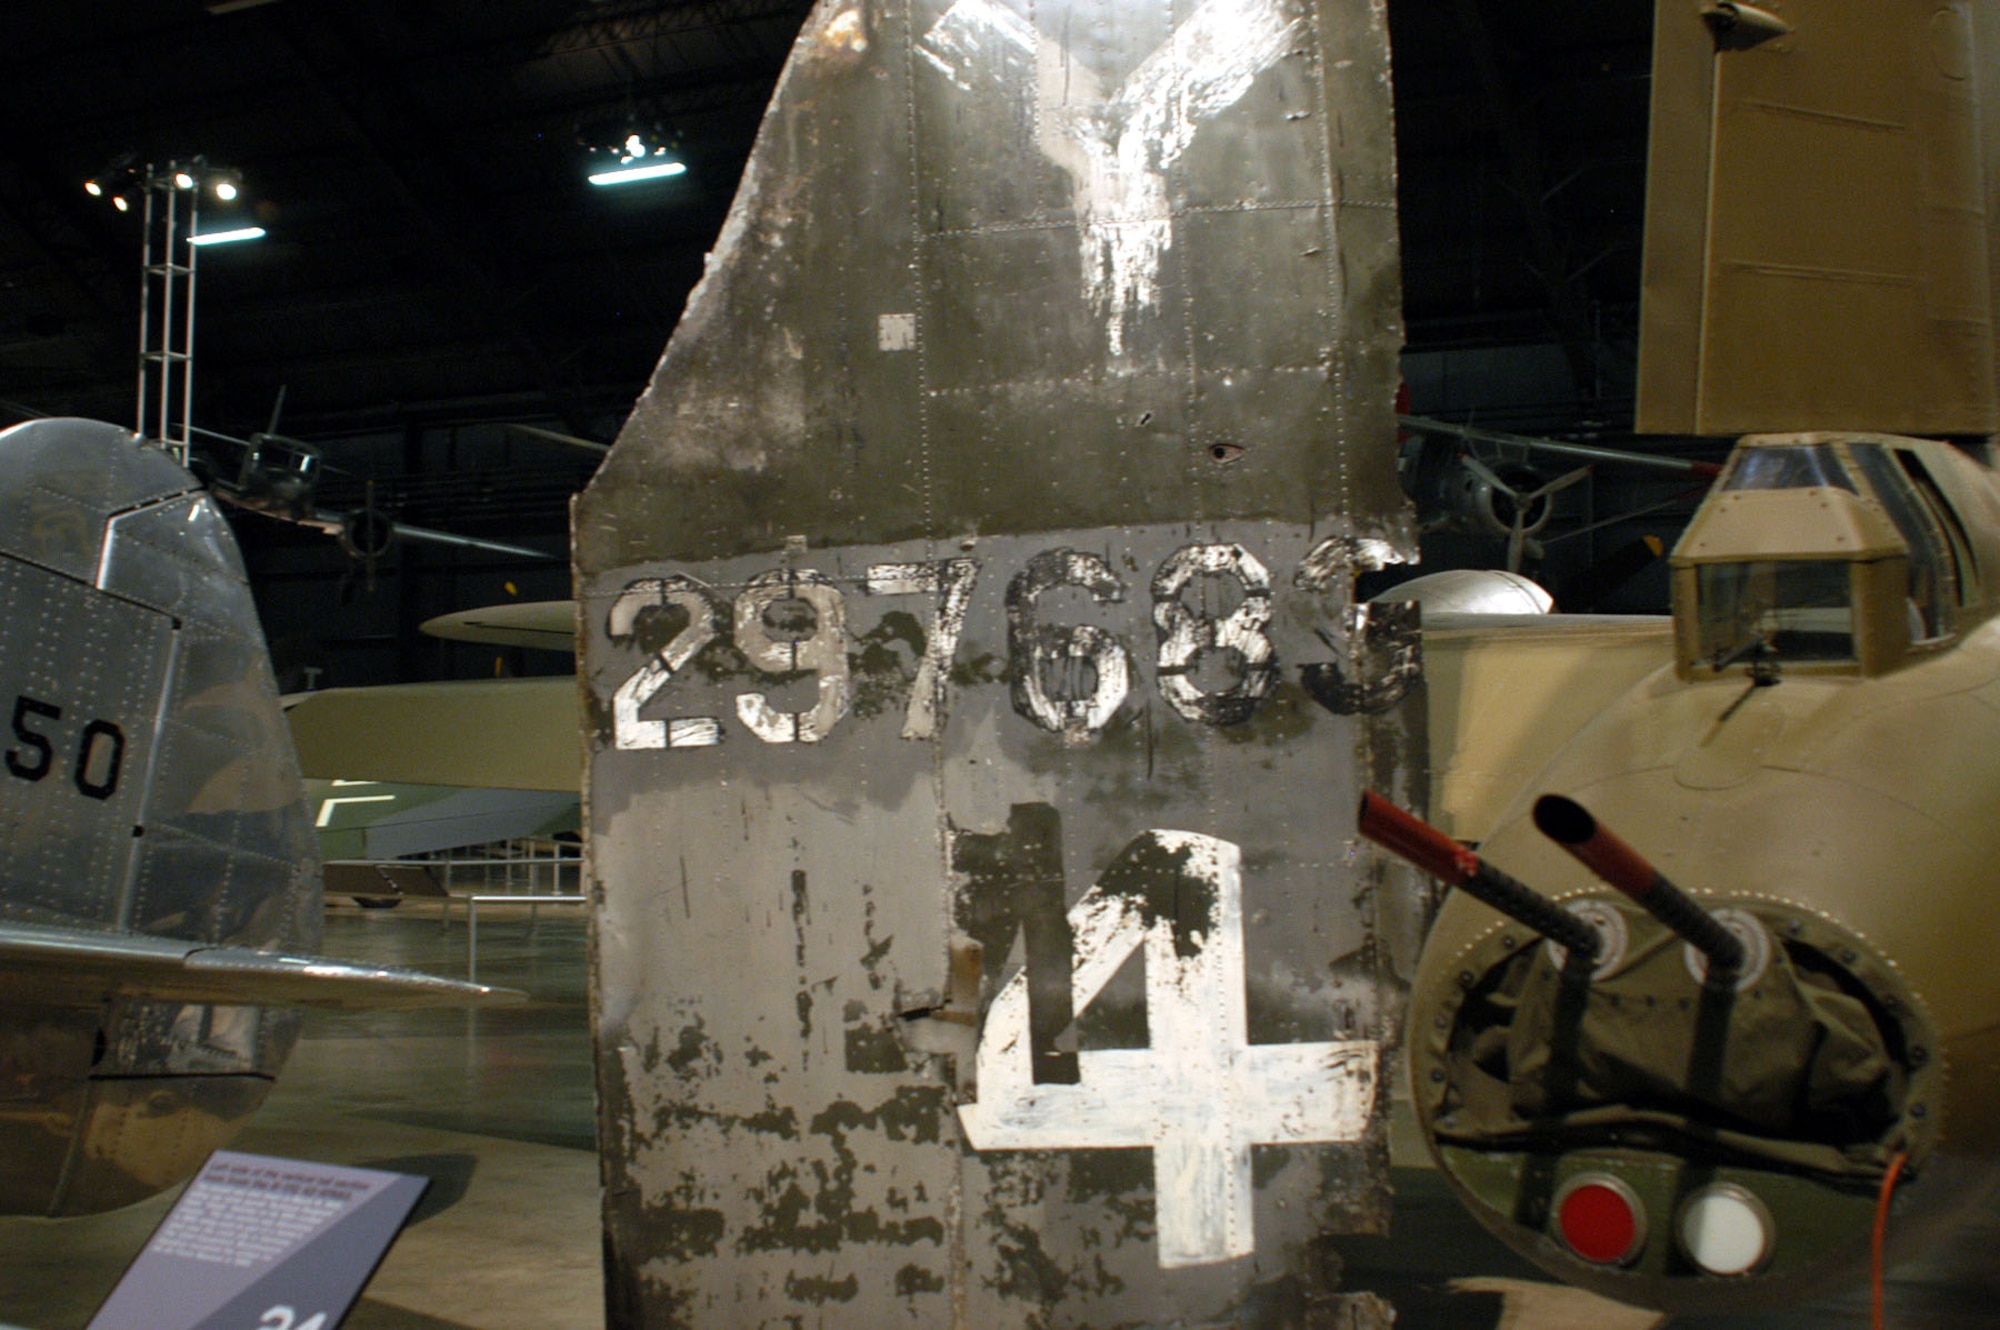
(974, 580)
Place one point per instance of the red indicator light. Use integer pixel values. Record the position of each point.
(1600, 1219)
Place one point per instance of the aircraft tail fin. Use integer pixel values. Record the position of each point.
(1818, 254)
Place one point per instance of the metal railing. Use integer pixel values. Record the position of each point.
(472, 904)
(523, 869)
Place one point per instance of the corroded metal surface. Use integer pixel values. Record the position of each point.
(147, 788)
(974, 702)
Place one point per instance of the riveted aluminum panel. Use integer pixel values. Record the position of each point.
(81, 674)
(976, 937)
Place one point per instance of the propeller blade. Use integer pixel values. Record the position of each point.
(1487, 474)
(1560, 483)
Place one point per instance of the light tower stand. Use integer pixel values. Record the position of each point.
(166, 311)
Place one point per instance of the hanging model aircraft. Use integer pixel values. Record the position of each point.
(1776, 1025)
(160, 891)
(1502, 496)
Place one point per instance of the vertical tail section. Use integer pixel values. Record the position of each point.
(1817, 254)
(943, 609)
(1155, 249)
(1986, 87)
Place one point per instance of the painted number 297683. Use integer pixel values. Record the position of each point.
(1067, 678)
(95, 751)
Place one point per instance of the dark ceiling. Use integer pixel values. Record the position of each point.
(434, 249)
(434, 252)
(436, 265)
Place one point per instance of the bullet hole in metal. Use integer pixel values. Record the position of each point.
(1225, 452)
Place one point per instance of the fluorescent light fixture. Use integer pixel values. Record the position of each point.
(629, 174)
(227, 237)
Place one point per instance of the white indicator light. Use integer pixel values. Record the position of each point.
(1725, 1230)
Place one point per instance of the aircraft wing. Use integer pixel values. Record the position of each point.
(546, 625)
(73, 967)
(511, 734)
(365, 819)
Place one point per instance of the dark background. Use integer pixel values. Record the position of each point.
(437, 269)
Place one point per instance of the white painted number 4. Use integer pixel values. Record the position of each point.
(1202, 1095)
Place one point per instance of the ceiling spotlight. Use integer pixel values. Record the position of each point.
(629, 148)
(120, 202)
(116, 177)
(182, 180)
(225, 181)
(241, 233)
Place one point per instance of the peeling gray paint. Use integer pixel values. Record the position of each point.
(953, 606)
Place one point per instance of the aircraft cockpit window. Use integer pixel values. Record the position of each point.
(1797, 610)
(1789, 468)
(1932, 591)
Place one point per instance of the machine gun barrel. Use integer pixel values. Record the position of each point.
(1442, 857)
(1570, 825)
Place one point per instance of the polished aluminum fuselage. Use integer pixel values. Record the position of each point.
(148, 789)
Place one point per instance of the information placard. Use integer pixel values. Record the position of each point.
(259, 1243)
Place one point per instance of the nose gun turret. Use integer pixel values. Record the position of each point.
(1446, 859)
(1570, 825)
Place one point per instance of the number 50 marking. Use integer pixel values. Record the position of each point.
(1202, 1095)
